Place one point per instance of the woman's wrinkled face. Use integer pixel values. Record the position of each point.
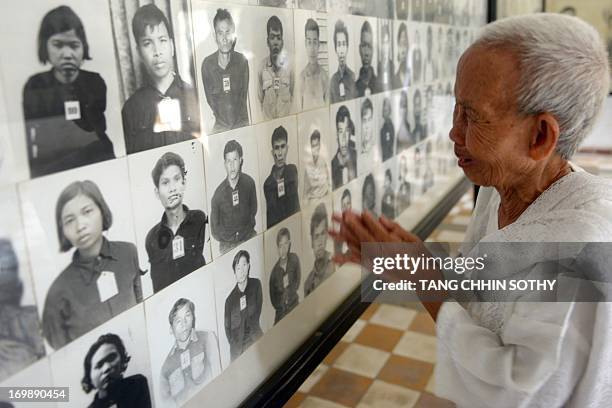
(491, 138)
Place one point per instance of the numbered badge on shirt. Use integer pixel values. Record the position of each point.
(277, 83)
(169, 113)
(341, 89)
(107, 285)
(235, 199)
(185, 359)
(243, 302)
(286, 281)
(227, 84)
(178, 247)
(280, 184)
(72, 110)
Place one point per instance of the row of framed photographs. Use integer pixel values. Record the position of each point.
(152, 75)
(175, 342)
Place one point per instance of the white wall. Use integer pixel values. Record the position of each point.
(601, 136)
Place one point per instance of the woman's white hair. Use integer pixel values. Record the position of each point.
(564, 70)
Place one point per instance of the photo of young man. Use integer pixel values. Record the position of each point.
(344, 163)
(342, 83)
(323, 266)
(405, 136)
(105, 364)
(175, 245)
(314, 79)
(367, 83)
(368, 143)
(285, 277)
(225, 76)
(387, 205)
(346, 204)
(403, 198)
(430, 65)
(316, 172)
(234, 203)
(194, 358)
(386, 67)
(276, 80)
(419, 131)
(165, 109)
(387, 131)
(403, 75)
(281, 185)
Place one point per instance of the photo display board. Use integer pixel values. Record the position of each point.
(168, 172)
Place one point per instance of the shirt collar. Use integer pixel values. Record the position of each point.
(106, 252)
(193, 337)
(177, 83)
(187, 220)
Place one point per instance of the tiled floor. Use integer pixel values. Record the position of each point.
(387, 358)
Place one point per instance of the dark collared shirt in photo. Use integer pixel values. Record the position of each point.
(186, 369)
(281, 192)
(242, 317)
(344, 171)
(275, 87)
(141, 113)
(74, 304)
(227, 90)
(403, 197)
(166, 270)
(57, 139)
(387, 139)
(367, 83)
(342, 86)
(284, 284)
(321, 270)
(129, 392)
(387, 206)
(232, 212)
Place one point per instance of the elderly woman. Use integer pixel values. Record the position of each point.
(527, 92)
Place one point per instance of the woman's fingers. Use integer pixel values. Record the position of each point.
(354, 224)
(376, 229)
(397, 230)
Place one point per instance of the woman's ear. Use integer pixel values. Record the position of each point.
(544, 137)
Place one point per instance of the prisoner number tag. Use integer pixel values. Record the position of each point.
(243, 302)
(281, 187)
(72, 110)
(277, 83)
(178, 247)
(235, 199)
(386, 77)
(227, 84)
(342, 90)
(368, 91)
(107, 285)
(185, 359)
(169, 111)
(286, 281)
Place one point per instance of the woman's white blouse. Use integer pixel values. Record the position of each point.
(527, 354)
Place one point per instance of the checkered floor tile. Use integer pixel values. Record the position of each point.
(387, 359)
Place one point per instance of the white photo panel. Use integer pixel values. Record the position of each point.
(370, 193)
(401, 39)
(386, 183)
(283, 267)
(127, 371)
(317, 245)
(342, 52)
(8, 155)
(54, 127)
(387, 66)
(318, 5)
(36, 375)
(369, 147)
(244, 311)
(183, 338)
(224, 92)
(311, 60)
(417, 52)
(272, 87)
(236, 206)
(18, 311)
(346, 198)
(156, 70)
(406, 189)
(314, 135)
(364, 34)
(167, 250)
(273, 3)
(279, 169)
(79, 289)
(345, 127)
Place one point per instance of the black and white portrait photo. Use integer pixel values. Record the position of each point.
(367, 82)
(317, 245)
(282, 245)
(170, 215)
(241, 293)
(406, 137)
(35, 375)
(109, 366)
(9, 171)
(416, 51)
(431, 69)
(403, 198)
(346, 198)
(277, 142)
(403, 74)
(368, 146)
(318, 5)
(63, 106)
(21, 343)
(385, 111)
(386, 64)
(275, 77)
(221, 54)
(344, 118)
(385, 178)
(232, 180)
(84, 262)
(182, 331)
(313, 135)
(342, 85)
(153, 42)
(312, 90)
(369, 195)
